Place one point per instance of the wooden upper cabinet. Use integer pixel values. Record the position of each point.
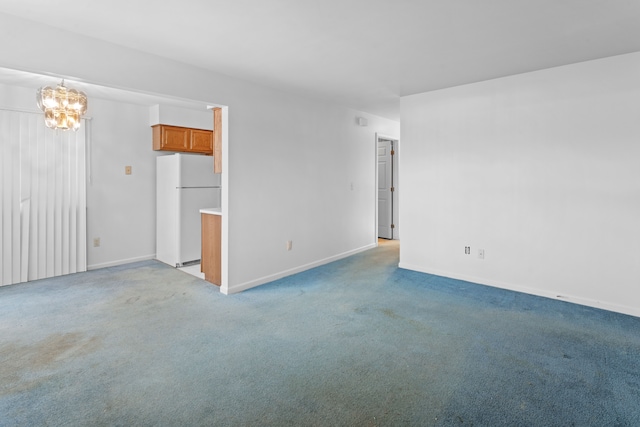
(173, 138)
(186, 140)
(202, 141)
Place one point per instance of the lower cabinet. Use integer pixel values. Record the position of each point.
(211, 263)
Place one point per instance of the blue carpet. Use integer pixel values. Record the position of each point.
(357, 342)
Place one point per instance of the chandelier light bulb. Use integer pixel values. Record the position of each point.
(63, 108)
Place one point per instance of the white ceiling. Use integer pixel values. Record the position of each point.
(363, 54)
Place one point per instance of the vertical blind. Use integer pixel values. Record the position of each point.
(43, 199)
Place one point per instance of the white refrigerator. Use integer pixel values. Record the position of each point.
(185, 184)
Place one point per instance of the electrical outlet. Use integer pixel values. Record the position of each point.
(467, 250)
(96, 242)
(481, 253)
(289, 245)
(127, 170)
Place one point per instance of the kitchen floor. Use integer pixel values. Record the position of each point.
(193, 270)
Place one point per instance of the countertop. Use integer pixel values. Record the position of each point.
(211, 211)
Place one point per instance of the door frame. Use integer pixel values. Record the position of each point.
(394, 194)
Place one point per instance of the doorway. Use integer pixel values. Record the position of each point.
(387, 188)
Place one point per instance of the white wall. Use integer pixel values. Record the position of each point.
(289, 161)
(121, 209)
(178, 116)
(541, 171)
(292, 164)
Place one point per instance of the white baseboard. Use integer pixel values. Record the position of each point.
(270, 278)
(120, 262)
(604, 305)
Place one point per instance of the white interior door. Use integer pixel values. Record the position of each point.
(385, 191)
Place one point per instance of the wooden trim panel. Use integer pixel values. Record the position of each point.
(217, 140)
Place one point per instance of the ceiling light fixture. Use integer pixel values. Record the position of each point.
(62, 107)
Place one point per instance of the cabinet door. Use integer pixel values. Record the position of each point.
(211, 259)
(175, 138)
(201, 141)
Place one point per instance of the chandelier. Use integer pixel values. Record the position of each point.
(62, 107)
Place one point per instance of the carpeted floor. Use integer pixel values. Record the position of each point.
(357, 342)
